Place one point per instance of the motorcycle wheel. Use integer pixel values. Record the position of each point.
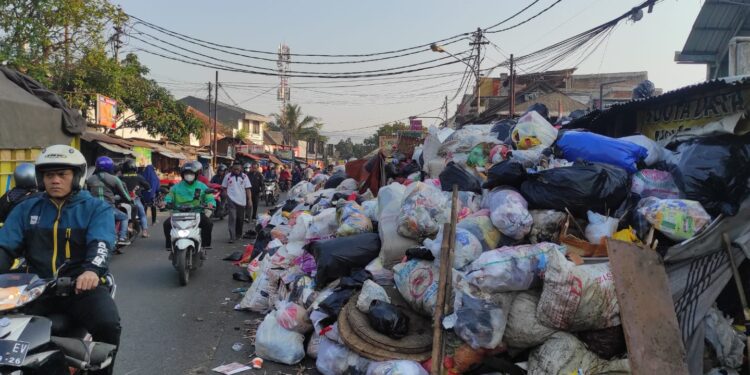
(269, 201)
(183, 270)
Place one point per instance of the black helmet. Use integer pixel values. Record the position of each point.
(222, 167)
(25, 176)
(129, 166)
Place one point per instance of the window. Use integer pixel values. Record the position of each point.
(256, 127)
(246, 125)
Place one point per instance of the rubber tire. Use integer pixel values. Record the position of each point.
(183, 271)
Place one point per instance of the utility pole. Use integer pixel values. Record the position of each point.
(512, 107)
(445, 103)
(116, 41)
(216, 110)
(478, 42)
(210, 98)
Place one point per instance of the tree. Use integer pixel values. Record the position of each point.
(345, 148)
(242, 134)
(295, 125)
(373, 141)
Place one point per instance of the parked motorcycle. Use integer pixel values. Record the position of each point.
(28, 345)
(270, 193)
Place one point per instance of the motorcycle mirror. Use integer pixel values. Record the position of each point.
(210, 191)
(197, 194)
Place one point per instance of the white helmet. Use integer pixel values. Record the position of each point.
(59, 157)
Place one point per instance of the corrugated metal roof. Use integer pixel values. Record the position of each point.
(717, 23)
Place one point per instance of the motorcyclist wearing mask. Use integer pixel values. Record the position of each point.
(66, 225)
(136, 185)
(183, 194)
(103, 184)
(25, 179)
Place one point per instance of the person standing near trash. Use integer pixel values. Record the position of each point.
(258, 183)
(25, 178)
(237, 186)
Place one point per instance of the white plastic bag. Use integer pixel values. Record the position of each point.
(600, 226)
(263, 291)
(371, 292)
(416, 280)
(654, 183)
(313, 345)
(293, 317)
(274, 343)
(533, 130)
(393, 246)
(397, 367)
(656, 153)
(577, 298)
(301, 190)
(371, 209)
(509, 213)
(510, 268)
(352, 220)
(524, 330)
(563, 353)
(467, 248)
(335, 359)
(323, 225)
(300, 228)
(347, 186)
(423, 211)
(478, 323)
(380, 274)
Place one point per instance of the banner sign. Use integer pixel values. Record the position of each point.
(142, 156)
(106, 111)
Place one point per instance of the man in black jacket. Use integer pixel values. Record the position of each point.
(258, 182)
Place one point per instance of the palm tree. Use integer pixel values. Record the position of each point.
(294, 125)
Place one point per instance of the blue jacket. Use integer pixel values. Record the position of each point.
(80, 231)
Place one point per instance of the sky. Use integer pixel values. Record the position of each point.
(355, 108)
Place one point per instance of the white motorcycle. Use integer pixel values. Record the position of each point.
(187, 253)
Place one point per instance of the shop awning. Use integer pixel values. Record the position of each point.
(250, 156)
(172, 155)
(274, 159)
(115, 148)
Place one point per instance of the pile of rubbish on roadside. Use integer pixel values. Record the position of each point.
(350, 277)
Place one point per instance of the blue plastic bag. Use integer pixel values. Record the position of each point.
(601, 149)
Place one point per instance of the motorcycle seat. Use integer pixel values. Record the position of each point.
(85, 355)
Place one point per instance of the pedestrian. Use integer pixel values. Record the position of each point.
(237, 186)
(149, 197)
(257, 181)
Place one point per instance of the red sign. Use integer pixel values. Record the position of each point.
(415, 124)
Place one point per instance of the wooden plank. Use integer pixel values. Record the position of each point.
(646, 310)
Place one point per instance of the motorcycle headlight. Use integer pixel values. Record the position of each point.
(183, 232)
(16, 296)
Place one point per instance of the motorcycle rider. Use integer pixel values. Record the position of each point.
(66, 226)
(271, 174)
(137, 185)
(285, 178)
(221, 172)
(103, 184)
(258, 184)
(183, 194)
(25, 179)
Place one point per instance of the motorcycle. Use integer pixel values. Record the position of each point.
(270, 193)
(221, 209)
(29, 343)
(187, 253)
(134, 224)
(284, 185)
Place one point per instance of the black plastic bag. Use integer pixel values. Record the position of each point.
(454, 174)
(503, 129)
(714, 171)
(579, 188)
(261, 241)
(410, 168)
(333, 304)
(419, 253)
(388, 319)
(355, 280)
(505, 173)
(339, 256)
(289, 205)
(335, 180)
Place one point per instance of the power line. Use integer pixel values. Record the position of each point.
(526, 20)
(513, 16)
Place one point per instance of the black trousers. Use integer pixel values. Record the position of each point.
(206, 227)
(256, 198)
(94, 310)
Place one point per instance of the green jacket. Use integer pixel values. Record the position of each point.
(183, 194)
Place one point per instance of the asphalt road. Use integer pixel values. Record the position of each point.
(170, 329)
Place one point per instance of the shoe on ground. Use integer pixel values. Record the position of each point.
(168, 248)
(145, 234)
(231, 240)
(123, 242)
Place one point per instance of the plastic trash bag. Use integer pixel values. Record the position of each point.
(547, 225)
(335, 359)
(301, 226)
(388, 319)
(371, 209)
(654, 183)
(393, 245)
(480, 225)
(503, 129)
(416, 280)
(510, 268)
(505, 173)
(319, 179)
(396, 367)
(274, 343)
(313, 345)
(301, 190)
(714, 171)
(454, 174)
(347, 186)
(477, 157)
(533, 130)
(293, 317)
(563, 353)
(599, 227)
(352, 220)
(478, 323)
(380, 274)
(524, 330)
(509, 213)
(468, 203)
(655, 152)
(422, 212)
(262, 293)
(466, 138)
(323, 225)
(728, 343)
(371, 292)
(598, 148)
(528, 158)
(678, 219)
(580, 188)
(467, 249)
(577, 298)
(339, 256)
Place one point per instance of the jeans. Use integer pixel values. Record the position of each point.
(122, 218)
(235, 220)
(141, 214)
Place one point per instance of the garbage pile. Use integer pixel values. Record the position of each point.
(348, 277)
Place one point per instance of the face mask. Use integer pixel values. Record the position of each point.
(189, 177)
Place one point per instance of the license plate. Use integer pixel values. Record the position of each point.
(13, 353)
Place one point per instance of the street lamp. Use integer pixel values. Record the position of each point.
(436, 48)
(601, 91)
